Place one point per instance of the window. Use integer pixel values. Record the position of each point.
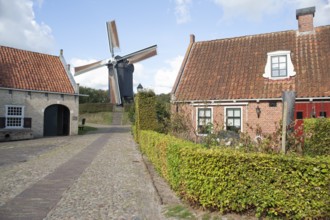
(300, 115)
(272, 104)
(233, 119)
(279, 66)
(204, 118)
(323, 114)
(14, 116)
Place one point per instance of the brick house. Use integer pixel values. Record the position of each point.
(38, 95)
(238, 81)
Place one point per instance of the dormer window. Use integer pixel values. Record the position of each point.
(279, 65)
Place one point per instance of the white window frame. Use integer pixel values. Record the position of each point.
(289, 65)
(15, 116)
(197, 117)
(225, 115)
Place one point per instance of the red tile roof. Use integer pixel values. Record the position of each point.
(26, 70)
(232, 68)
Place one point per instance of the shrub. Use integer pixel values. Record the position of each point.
(317, 136)
(272, 185)
(95, 107)
(164, 152)
(234, 181)
(145, 112)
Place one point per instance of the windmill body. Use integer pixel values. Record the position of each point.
(120, 68)
(125, 80)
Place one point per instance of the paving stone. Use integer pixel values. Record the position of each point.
(96, 176)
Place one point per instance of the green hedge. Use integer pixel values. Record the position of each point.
(233, 181)
(164, 152)
(95, 107)
(145, 112)
(317, 136)
(273, 185)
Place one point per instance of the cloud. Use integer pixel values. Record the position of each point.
(182, 11)
(18, 27)
(139, 75)
(165, 77)
(96, 79)
(255, 10)
(322, 10)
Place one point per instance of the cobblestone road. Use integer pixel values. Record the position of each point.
(95, 176)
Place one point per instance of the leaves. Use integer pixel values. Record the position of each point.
(277, 186)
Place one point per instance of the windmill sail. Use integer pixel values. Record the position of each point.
(120, 68)
(141, 54)
(112, 36)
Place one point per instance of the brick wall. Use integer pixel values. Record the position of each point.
(268, 117)
(305, 23)
(35, 105)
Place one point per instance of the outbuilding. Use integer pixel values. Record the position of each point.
(38, 95)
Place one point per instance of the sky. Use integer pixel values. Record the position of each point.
(79, 28)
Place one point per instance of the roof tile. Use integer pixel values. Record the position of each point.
(232, 68)
(21, 69)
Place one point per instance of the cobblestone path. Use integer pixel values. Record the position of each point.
(94, 176)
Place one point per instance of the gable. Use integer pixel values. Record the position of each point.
(26, 70)
(233, 68)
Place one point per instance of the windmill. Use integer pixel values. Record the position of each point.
(120, 68)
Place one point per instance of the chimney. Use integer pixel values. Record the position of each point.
(192, 38)
(61, 52)
(305, 19)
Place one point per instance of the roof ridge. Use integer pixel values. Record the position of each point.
(28, 50)
(246, 36)
(255, 35)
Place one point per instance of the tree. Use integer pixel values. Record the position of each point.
(94, 95)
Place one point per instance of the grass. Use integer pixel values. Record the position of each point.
(86, 129)
(125, 119)
(180, 212)
(103, 118)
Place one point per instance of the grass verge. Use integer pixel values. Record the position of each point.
(103, 118)
(180, 212)
(86, 129)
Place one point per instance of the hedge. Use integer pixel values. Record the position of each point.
(317, 140)
(164, 152)
(145, 112)
(95, 107)
(234, 181)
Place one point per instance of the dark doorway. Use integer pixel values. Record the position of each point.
(56, 120)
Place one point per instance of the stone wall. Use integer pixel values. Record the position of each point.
(35, 104)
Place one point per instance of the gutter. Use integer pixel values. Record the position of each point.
(38, 91)
(218, 101)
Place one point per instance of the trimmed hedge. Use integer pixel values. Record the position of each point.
(95, 107)
(273, 185)
(164, 152)
(317, 140)
(233, 181)
(145, 112)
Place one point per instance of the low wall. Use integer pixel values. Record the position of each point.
(15, 134)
